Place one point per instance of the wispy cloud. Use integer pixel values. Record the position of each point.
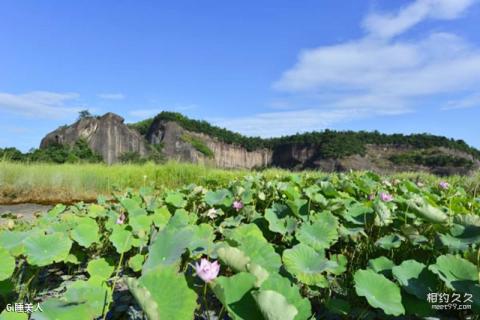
(392, 24)
(378, 74)
(471, 101)
(40, 104)
(111, 96)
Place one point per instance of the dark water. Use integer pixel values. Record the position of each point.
(26, 210)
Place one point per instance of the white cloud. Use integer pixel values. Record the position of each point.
(389, 25)
(375, 75)
(471, 101)
(112, 96)
(39, 104)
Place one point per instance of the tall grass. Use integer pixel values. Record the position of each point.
(40, 182)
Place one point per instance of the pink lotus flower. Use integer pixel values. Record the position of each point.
(121, 219)
(386, 197)
(237, 205)
(444, 185)
(207, 270)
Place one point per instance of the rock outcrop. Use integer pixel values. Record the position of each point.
(107, 135)
(110, 137)
(175, 146)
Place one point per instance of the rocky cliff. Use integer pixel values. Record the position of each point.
(107, 135)
(182, 139)
(177, 145)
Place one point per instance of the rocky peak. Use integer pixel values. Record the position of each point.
(107, 135)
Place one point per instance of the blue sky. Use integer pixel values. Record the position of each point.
(263, 68)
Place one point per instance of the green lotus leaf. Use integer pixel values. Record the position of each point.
(307, 265)
(424, 210)
(170, 292)
(341, 262)
(283, 286)
(260, 273)
(233, 257)
(278, 219)
(234, 293)
(461, 237)
(140, 223)
(168, 247)
(299, 207)
(250, 240)
(383, 215)
(121, 239)
(182, 218)
(381, 265)
(56, 309)
(222, 197)
(455, 272)
(42, 250)
(415, 306)
(71, 258)
(202, 239)
(244, 231)
(86, 232)
(379, 292)
(274, 306)
(94, 293)
(261, 253)
(144, 298)
(96, 211)
(100, 268)
(13, 241)
(6, 288)
(55, 211)
(161, 217)
(390, 241)
(321, 234)
(136, 262)
(5, 315)
(7, 265)
(359, 214)
(415, 278)
(176, 199)
(130, 204)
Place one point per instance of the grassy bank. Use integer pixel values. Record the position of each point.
(50, 183)
(69, 182)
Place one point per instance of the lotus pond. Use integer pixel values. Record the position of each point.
(297, 247)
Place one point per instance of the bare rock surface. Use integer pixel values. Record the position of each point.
(107, 135)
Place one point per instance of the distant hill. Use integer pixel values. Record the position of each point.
(172, 135)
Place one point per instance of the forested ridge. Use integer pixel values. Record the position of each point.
(332, 144)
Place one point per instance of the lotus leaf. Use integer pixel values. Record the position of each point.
(379, 292)
(42, 250)
(234, 293)
(100, 268)
(321, 234)
(307, 265)
(274, 306)
(7, 265)
(456, 272)
(172, 296)
(86, 232)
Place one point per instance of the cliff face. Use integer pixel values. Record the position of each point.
(107, 135)
(110, 137)
(176, 146)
